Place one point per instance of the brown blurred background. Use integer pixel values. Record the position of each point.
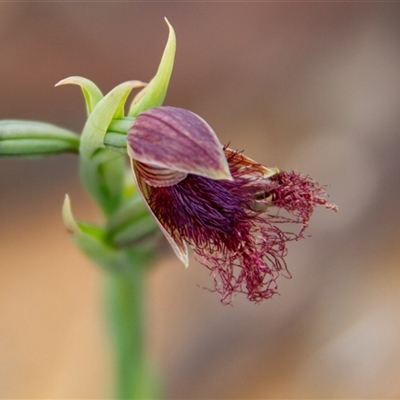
(313, 87)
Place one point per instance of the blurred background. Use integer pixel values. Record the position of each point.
(313, 87)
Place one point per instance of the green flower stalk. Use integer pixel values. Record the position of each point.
(35, 139)
(231, 210)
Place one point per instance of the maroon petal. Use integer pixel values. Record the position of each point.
(179, 140)
(177, 243)
(157, 176)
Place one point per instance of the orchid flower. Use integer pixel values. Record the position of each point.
(228, 208)
(236, 214)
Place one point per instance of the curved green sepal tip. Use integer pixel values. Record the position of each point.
(154, 93)
(89, 240)
(91, 93)
(68, 218)
(109, 107)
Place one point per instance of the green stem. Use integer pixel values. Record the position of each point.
(125, 302)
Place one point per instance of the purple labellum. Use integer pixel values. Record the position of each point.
(237, 227)
(243, 248)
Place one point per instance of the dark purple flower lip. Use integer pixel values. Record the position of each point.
(233, 219)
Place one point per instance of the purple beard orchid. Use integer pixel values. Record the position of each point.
(224, 205)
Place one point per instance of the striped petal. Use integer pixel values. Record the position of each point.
(177, 140)
(178, 244)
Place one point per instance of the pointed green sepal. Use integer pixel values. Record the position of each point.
(89, 240)
(20, 138)
(102, 170)
(154, 93)
(92, 241)
(91, 93)
(108, 108)
(68, 218)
